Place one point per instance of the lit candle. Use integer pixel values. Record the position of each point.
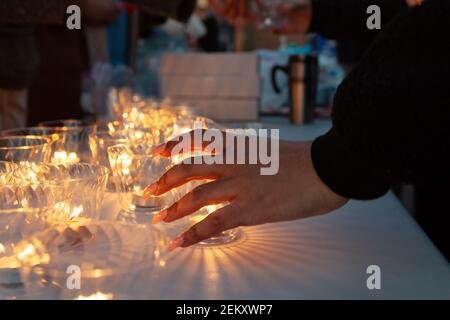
(96, 296)
(64, 157)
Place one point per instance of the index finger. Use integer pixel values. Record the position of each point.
(219, 221)
(186, 143)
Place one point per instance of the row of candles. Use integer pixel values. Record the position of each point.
(140, 126)
(57, 173)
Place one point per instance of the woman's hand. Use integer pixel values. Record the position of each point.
(295, 192)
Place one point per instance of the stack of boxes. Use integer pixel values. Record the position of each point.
(223, 87)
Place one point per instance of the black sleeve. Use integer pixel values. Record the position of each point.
(347, 19)
(391, 117)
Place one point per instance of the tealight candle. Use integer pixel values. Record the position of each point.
(65, 157)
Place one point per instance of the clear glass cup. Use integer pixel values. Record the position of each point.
(135, 170)
(25, 149)
(59, 137)
(74, 147)
(78, 189)
(7, 171)
(102, 250)
(48, 132)
(99, 143)
(109, 126)
(136, 111)
(21, 205)
(21, 208)
(224, 237)
(150, 117)
(142, 139)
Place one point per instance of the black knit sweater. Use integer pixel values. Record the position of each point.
(391, 117)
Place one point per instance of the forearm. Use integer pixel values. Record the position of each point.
(176, 9)
(24, 12)
(391, 116)
(346, 19)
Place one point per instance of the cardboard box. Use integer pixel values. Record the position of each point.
(224, 110)
(210, 64)
(215, 87)
(224, 86)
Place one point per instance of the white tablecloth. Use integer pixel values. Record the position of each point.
(323, 257)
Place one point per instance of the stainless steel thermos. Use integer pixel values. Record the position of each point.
(302, 72)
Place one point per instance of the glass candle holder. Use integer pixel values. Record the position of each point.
(149, 117)
(17, 221)
(47, 132)
(99, 143)
(101, 250)
(7, 170)
(134, 171)
(20, 210)
(20, 206)
(58, 136)
(224, 237)
(25, 149)
(79, 190)
(109, 126)
(74, 146)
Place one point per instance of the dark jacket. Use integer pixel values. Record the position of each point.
(19, 58)
(18, 53)
(391, 116)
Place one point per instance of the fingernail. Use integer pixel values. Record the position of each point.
(150, 191)
(159, 149)
(176, 243)
(160, 217)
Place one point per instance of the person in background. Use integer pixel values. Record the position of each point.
(391, 123)
(210, 42)
(55, 92)
(19, 58)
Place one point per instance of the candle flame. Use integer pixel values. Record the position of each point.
(77, 211)
(64, 157)
(96, 296)
(28, 251)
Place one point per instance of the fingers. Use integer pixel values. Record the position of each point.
(182, 174)
(196, 140)
(215, 192)
(222, 220)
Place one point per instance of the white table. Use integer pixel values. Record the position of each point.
(323, 258)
